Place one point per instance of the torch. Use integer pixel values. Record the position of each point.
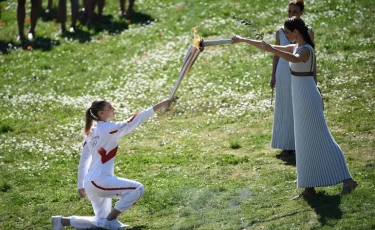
(198, 46)
(189, 60)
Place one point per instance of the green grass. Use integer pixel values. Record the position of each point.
(206, 164)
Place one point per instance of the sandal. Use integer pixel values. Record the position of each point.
(349, 188)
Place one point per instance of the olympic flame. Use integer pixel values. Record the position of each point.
(197, 39)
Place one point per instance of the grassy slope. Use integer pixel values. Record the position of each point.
(194, 176)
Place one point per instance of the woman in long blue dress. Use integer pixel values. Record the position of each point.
(320, 161)
(283, 126)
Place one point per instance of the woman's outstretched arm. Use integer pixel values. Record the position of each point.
(258, 44)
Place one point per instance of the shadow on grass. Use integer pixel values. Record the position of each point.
(39, 43)
(289, 159)
(139, 227)
(325, 206)
(106, 23)
(275, 218)
(114, 27)
(52, 15)
(139, 18)
(78, 35)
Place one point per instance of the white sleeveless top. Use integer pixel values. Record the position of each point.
(301, 66)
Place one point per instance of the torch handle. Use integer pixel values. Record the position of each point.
(216, 42)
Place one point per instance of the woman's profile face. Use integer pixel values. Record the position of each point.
(294, 11)
(107, 113)
(289, 34)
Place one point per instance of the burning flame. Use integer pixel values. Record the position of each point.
(197, 39)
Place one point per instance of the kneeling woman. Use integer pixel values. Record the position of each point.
(96, 168)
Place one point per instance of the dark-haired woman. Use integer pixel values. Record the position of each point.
(320, 161)
(282, 129)
(96, 178)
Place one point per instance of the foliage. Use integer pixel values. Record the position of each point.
(258, 35)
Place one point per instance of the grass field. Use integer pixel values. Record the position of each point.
(206, 164)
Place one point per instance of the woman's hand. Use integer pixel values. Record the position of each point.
(237, 39)
(164, 105)
(82, 193)
(266, 47)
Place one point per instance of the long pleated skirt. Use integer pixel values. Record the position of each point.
(320, 161)
(283, 126)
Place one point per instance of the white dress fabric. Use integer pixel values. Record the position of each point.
(283, 130)
(320, 161)
(96, 171)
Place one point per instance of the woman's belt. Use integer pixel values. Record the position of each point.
(302, 74)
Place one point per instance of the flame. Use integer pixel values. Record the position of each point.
(197, 39)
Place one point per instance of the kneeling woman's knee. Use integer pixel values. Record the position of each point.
(141, 189)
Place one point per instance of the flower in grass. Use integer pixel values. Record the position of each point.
(2, 24)
(206, 62)
(128, 21)
(179, 8)
(28, 20)
(30, 47)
